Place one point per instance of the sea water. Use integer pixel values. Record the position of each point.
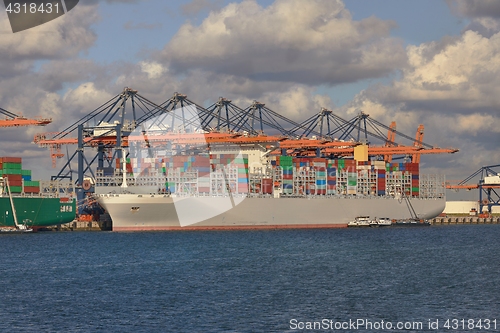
(252, 281)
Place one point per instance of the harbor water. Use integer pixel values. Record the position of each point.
(250, 281)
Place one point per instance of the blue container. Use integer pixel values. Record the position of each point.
(412, 176)
(332, 182)
(242, 180)
(380, 192)
(320, 182)
(288, 186)
(27, 177)
(381, 175)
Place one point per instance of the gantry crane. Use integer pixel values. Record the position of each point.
(129, 117)
(488, 186)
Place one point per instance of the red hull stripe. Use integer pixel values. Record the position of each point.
(244, 227)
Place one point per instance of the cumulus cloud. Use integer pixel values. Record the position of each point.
(63, 37)
(475, 8)
(484, 15)
(451, 86)
(85, 96)
(452, 77)
(308, 42)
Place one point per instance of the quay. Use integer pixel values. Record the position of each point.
(453, 220)
(104, 223)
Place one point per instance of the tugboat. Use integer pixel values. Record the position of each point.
(381, 222)
(360, 221)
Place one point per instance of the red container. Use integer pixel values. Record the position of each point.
(267, 185)
(15, 182)
(14, 178)
(31, 189)
(12, 159)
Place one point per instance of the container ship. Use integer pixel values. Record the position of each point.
(249, 189)
(32, 203)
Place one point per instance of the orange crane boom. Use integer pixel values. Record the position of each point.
(22, 121)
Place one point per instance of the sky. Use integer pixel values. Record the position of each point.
(428, 62)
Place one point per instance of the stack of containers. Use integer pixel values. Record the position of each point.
(202, 164)
(11, 168)
(413, 168)
(352, 176)
(31, 186)
(129, 164)
(331, 177)
(237, 161)
(319, 164)
(286, 163)
(165, 165)
(241, 162)
(381, 182)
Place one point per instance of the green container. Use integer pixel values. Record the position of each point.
(341, 164)
(16, 189)
(11, 171)
(286, 161)
(25, 172)
(352, 179)
(8, 165)
(32, 183)
(414, 189)
(242, 170)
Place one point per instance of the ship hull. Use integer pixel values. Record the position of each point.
(37, 211)
(132, 212)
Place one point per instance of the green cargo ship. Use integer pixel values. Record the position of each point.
(37, 211)
(35, 203)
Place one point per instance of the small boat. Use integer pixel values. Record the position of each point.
(20, 229)
(360, 221)
(381, 222)
(412, 222)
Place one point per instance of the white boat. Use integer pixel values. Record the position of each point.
(381, 222)
(360, 221)
(20, 229)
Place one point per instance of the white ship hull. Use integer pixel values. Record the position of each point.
(135, 212)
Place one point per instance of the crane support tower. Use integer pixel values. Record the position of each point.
(488, 186)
